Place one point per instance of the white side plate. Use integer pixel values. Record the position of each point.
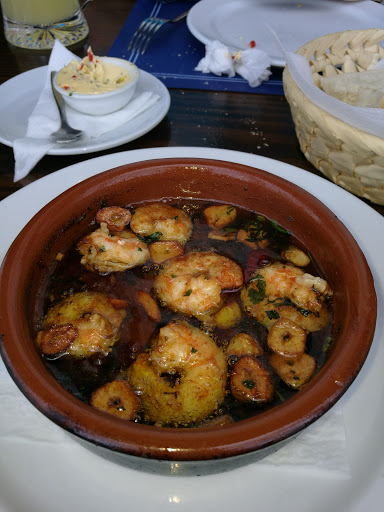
(45, 476)
(19, 95)
(236, 23)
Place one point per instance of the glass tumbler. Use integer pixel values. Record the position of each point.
(35, 24)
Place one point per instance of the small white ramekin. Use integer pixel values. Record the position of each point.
(106, 102)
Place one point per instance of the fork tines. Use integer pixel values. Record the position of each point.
(143, 35)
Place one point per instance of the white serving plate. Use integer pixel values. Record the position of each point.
(58, 474)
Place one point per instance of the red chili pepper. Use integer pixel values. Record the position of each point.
(66, 87)
(90, 54)
(74, 76)
(81, 67)
(252, 44)
(256, 259)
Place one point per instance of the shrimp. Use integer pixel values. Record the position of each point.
(81, 325)
(106, 252)
(182, 379)
(192, 284)
(266, 295)
(163, 221)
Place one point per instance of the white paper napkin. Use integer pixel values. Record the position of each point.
(370, 120)
(367, 119)
(44, 119)
(252, 64)
(321, 446)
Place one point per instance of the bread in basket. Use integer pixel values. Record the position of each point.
(351, 158)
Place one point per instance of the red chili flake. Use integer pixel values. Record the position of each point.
(81, 67)
(74, 76)
(252, 44)
(233, 57)
(90, 54)
(66, 87)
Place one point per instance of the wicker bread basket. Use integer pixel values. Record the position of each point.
(348, 156)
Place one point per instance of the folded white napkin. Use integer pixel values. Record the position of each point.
(44, 119)
(320, 447)
(370, 120)
(367, 119)
(252, 64)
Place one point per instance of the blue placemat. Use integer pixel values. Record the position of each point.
(174, 53)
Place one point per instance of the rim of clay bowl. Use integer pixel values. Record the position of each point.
(65, 217)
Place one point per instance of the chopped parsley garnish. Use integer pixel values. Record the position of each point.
(306, 312)
(188, 293)
(281, 397)
(272, 314)
(258, 295)
(256, 231)
(193, 350)
(153, 237)
(327, 343)
(102, 248)
(279, 228)
(276, 303)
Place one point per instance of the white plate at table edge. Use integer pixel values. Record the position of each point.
(19, 86)
(305, 490)
(201, 10)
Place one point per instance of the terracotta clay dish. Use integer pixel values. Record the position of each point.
(67, 218)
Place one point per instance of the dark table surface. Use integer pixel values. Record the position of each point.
(254, 123)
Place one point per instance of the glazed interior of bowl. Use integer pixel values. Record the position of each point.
(67, 218)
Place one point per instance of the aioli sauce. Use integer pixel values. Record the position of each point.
(91, 76)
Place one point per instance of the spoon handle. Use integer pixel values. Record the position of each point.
(58, 98)
(66, 133)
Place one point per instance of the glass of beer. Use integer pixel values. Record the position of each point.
(35, 24)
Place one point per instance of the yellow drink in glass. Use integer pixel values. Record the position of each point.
(35, 24)
(39, 12)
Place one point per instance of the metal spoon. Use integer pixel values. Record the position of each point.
(65, 133)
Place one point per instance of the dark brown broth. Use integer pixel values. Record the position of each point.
(82, 376)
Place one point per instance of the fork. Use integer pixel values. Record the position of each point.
(147, 29)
